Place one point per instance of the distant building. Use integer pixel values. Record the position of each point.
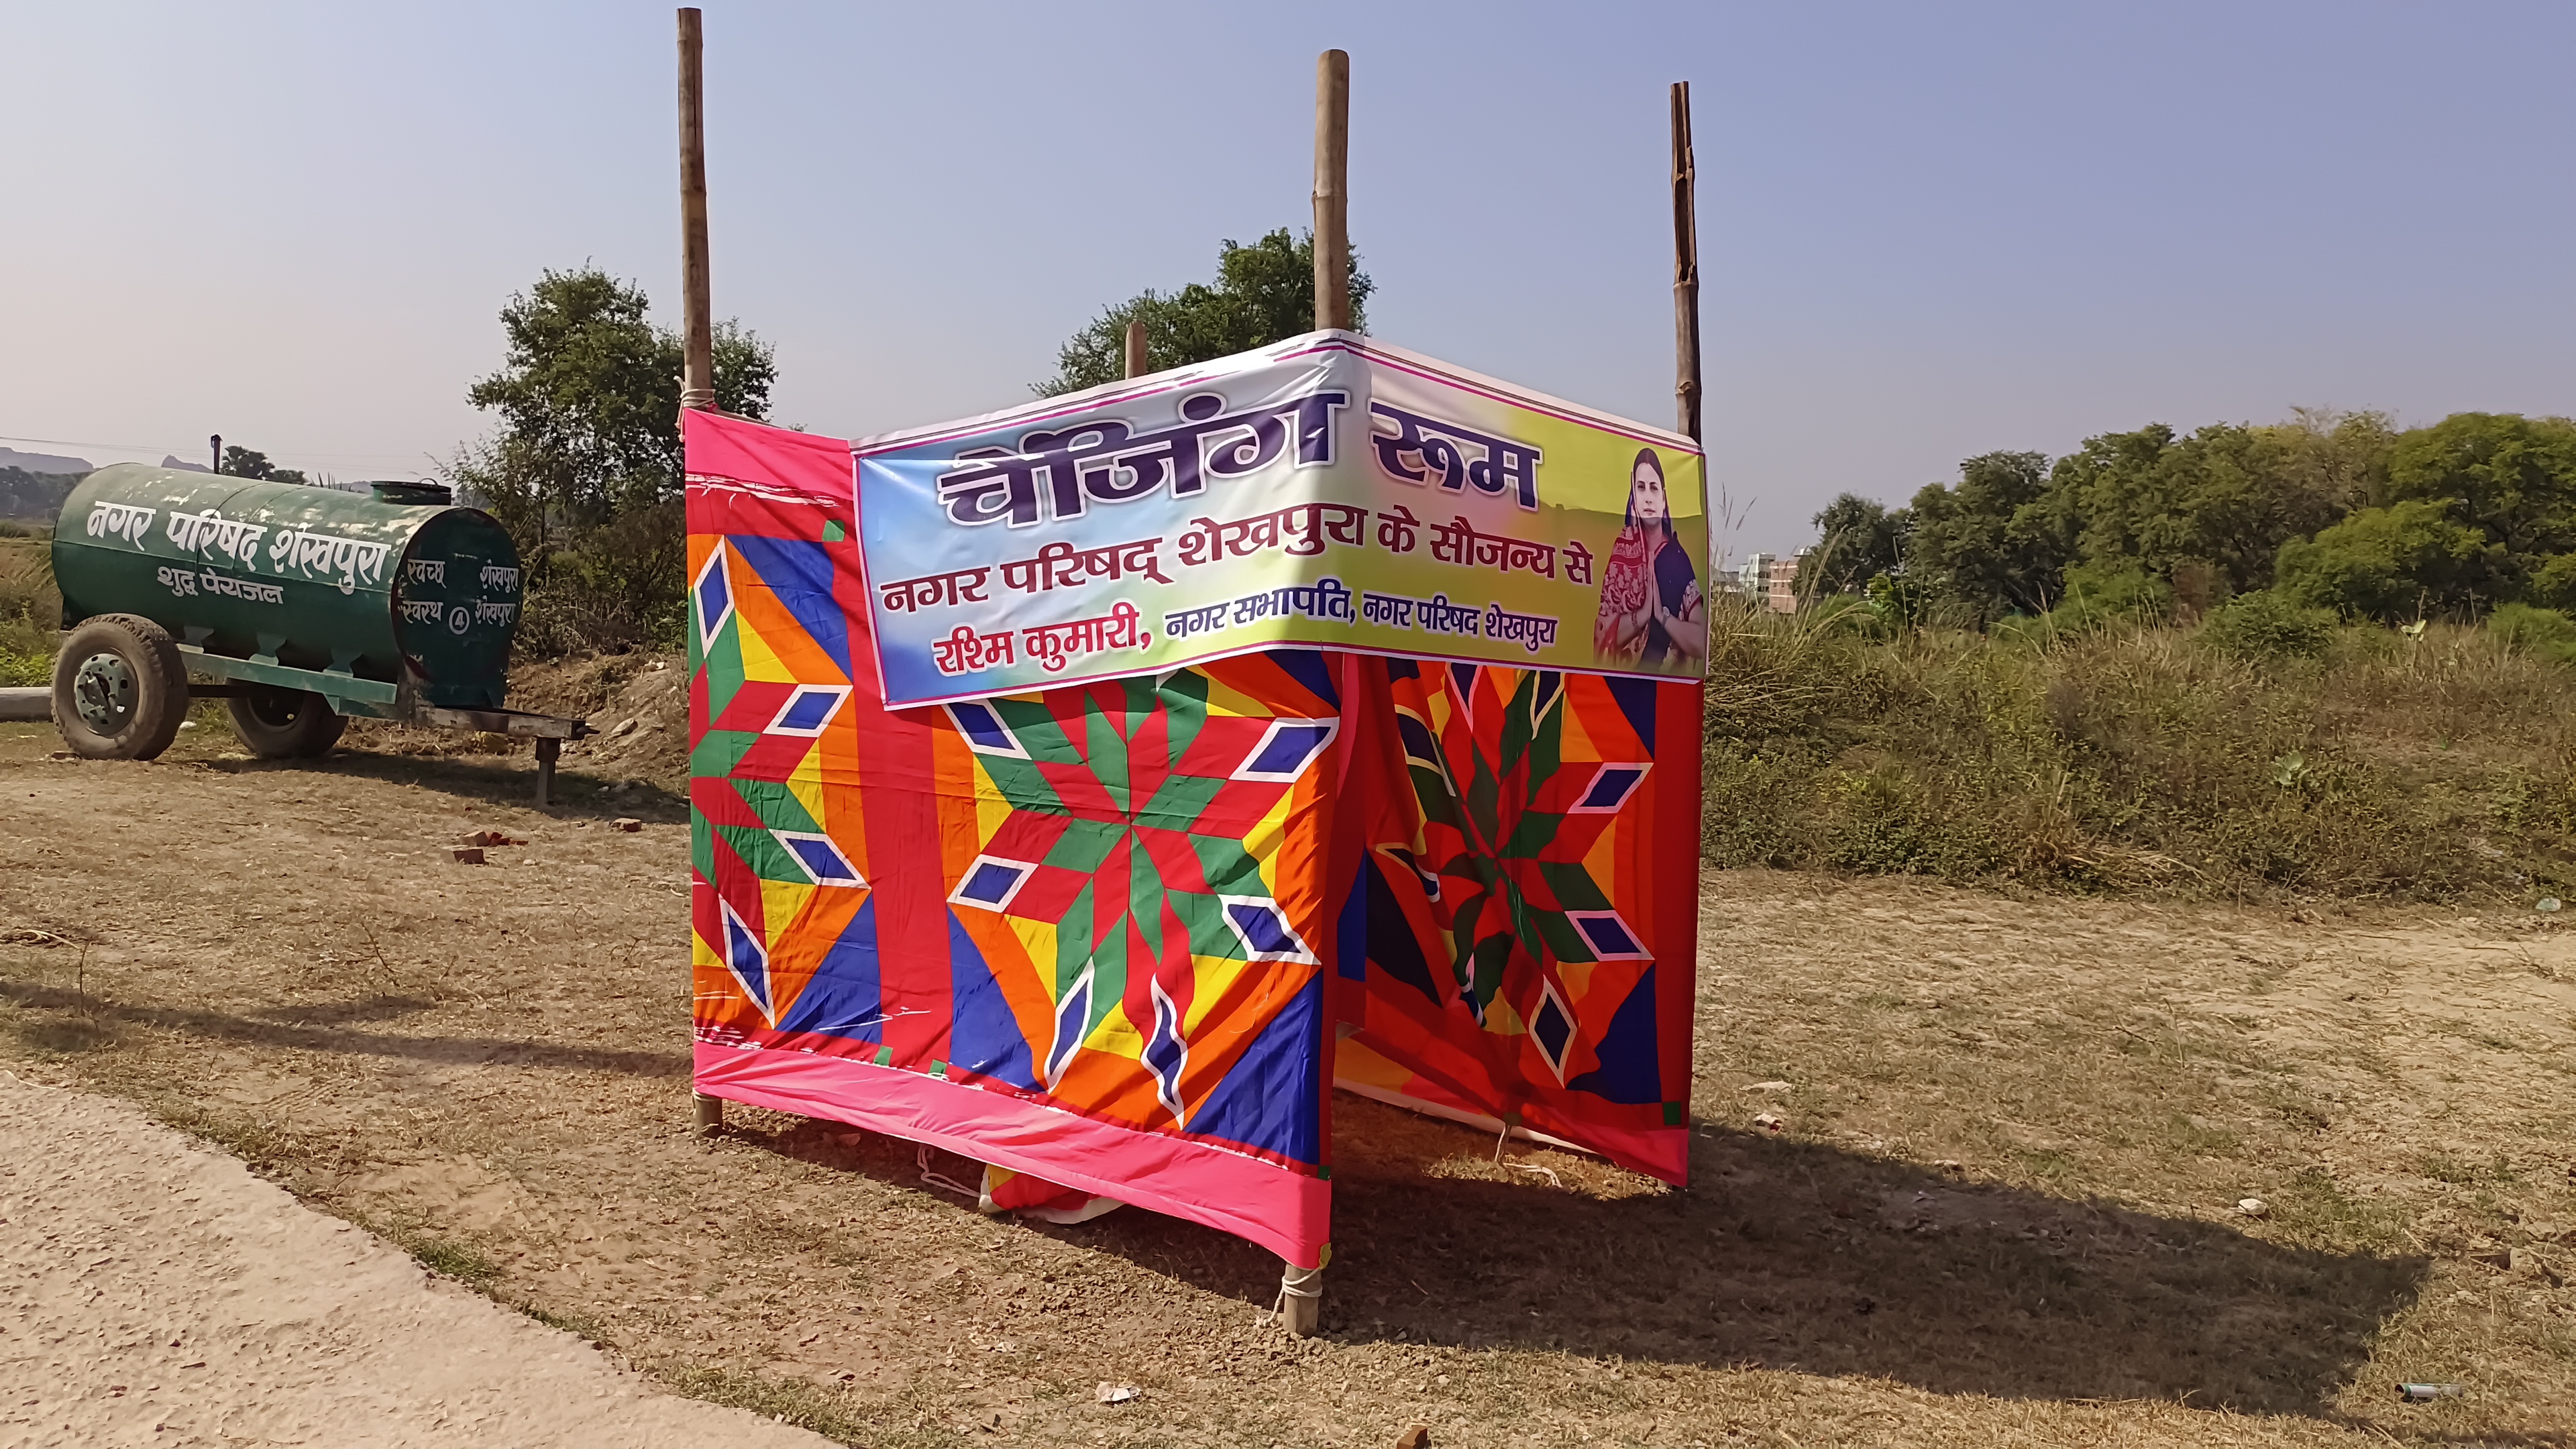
(1747, 580)
(1780, 583)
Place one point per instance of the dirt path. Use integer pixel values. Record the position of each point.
(157, 1293)
(1999, 1206)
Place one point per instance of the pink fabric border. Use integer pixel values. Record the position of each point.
(1289, 1213)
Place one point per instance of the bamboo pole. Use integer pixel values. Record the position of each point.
(1136, 360)
(698, 356)
(698, 367)
(1332, 190)
(1686, 391)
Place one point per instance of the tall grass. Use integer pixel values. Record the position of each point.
(29, 605)
(2437, 765)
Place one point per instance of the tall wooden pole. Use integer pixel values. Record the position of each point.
(698, 369)
(1332, 190)
(1136, 359)
(698, 339)
(1685, 269)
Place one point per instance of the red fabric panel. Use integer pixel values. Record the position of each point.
(1205, 1184)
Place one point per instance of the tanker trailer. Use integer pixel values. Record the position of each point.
(305, 605)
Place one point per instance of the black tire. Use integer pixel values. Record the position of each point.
(285, 724)
(120, 691)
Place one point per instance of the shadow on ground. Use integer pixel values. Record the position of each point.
(71, 1021)
(491, 779)
(1784, 1254)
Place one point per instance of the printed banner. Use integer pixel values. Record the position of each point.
(1326, 490)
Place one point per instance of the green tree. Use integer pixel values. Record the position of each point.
(585, 470)
(240, 462)
(2408, 560)
(1982, 549)
(2512, 477)
(1857, 540)
(1263, 292)
(2207, 514)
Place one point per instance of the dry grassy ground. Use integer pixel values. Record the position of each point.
(2001, 1211)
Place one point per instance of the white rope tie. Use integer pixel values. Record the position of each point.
(935, 1179)
(1297, 1282)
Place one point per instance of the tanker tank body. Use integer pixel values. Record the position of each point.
(313, 603)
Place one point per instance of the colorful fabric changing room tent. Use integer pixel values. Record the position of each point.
(1091, 788)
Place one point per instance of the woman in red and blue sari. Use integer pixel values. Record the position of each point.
(1653, 615)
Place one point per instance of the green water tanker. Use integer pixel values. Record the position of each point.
(305, 605)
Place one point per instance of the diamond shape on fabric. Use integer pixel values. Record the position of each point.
(1286, 749)
(1551, 1028)
(807, 710)
(982, 729)
(990, 882)
(822, 858)
(1072, 1024)
(714, 594)
(1547, 691)
(747, 957)
(1608, 935)
(1167, 1054)
(1609, 791)
(1264, 931)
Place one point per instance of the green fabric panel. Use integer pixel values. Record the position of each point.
(1086, 844)
(1145, 896)
(724, 661)
(1484, 799)
(777, 807)
(1184, 697)
(767, 858)
(1573, 887)
(1180, 802)
(1108, 753)
(1563, 941)
(714, 757)
(1022, 785)
(1229, 868)
(1204, 917)
(1038, 730)
(1109, 967)
(1073, 941)
(1530, 836)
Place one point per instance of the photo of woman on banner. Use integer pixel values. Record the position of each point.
(1651, 606)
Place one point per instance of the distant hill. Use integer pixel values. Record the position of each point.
(34, 497)
(41, 462)
(171, 461)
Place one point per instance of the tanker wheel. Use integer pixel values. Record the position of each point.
(285, 724)
(119, 689)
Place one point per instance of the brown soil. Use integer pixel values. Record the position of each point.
(160, 1294)
(638, 704)
(2001, 1208)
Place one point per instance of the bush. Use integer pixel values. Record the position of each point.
(2544, 633)
(2407, 560)
(2097, 598)
(2268, 625)
(2432, 767)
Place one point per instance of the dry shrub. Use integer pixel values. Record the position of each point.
(2433, 766)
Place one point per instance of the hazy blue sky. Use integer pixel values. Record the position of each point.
(1928, 231)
